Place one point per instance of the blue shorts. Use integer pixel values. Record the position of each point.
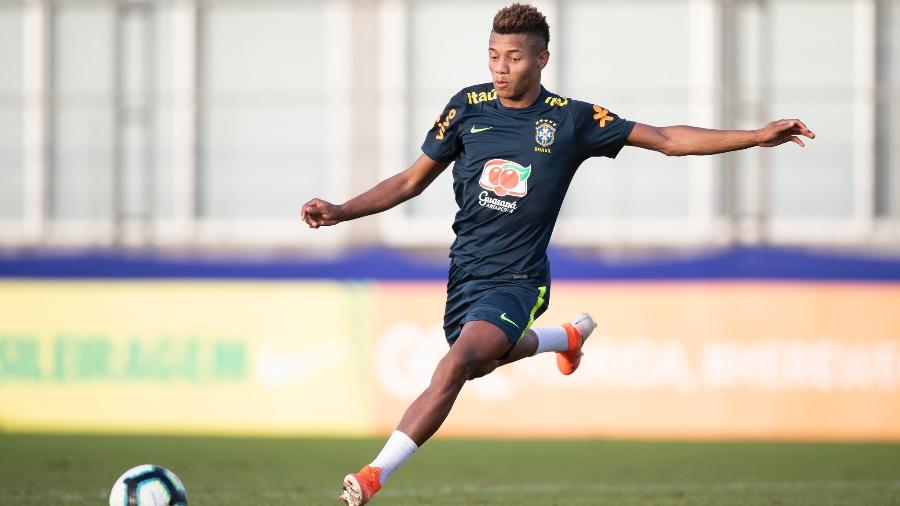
(510, 304)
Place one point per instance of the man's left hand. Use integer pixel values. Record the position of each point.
(778, 132)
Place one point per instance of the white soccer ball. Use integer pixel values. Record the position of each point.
(148, 485)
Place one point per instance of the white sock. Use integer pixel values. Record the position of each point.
(551, 339)
(396, 451)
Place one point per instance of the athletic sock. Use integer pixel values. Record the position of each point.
(396, 451)
(551, 339)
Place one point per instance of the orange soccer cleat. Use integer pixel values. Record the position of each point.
(360, 487)
(577, 331)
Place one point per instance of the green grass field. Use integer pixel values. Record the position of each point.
(50, 470)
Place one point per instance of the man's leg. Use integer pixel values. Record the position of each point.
(479, 344)
(566, 340)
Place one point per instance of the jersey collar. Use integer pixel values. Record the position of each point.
(537, 104)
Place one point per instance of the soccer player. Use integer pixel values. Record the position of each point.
(515, 148)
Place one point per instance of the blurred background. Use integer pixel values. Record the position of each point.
(205, 123)
(154, 156)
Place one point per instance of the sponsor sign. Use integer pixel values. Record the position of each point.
(716, 360)
(503, 177)
(210, 357)
(669, 360)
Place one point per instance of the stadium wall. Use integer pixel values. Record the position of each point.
(744, 343)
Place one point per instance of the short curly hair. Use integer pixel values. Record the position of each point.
(522, 18)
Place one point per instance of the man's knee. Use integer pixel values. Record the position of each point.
(474, 353)
(459, 367)
(485, 369)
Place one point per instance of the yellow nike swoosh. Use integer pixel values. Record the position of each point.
(506, 319)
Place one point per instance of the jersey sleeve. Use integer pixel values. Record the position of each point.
(599, 132)
(443, 143)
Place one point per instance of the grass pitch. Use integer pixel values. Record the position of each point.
(69, 470)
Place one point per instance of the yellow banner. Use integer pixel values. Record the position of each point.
(669, 360)
(204, 357)
(679, 360)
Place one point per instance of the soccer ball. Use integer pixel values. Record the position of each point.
(148, 485)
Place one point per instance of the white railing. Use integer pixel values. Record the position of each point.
(397, 127)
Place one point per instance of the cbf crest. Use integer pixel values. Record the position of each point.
(544, 134)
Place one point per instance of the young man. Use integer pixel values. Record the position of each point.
(516, 147)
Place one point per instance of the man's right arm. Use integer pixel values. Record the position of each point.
(383, 196)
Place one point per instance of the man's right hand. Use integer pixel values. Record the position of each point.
(319, 213)
(383, 196)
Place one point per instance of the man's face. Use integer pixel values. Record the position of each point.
(515, 61)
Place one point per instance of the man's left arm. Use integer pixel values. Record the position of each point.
(686, 140)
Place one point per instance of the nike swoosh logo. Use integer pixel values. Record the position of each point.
(278, 367)
(506, 319)
(477, 130)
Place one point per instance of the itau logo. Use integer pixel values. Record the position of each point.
(504, 177)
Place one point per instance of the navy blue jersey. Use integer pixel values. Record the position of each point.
(512, 170)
